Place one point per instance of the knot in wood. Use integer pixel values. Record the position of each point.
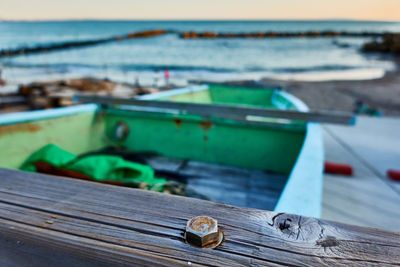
(297, 227)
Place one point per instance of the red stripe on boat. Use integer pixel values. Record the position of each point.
(338, 168)
(394, 175)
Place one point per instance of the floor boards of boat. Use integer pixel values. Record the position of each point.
(219, 183)
(226, 184)
(369, 198)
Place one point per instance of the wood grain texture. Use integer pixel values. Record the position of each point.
(47, 220)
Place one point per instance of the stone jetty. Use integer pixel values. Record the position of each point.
(388, 43)
(76, 44)
(390, 40)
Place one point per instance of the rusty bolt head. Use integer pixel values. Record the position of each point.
(202, 231)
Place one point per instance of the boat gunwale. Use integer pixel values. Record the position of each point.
(37, 115)
(173, 92)
(297, 197)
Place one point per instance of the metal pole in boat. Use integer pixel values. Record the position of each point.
(245, 114)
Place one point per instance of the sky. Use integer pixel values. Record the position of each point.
(387, 10)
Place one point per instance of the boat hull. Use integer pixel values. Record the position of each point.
(293, 150)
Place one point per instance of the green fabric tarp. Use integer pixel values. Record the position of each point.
(100, 168)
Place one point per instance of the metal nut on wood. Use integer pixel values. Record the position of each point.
(202, 231)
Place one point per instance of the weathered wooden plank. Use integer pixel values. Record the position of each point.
(59, 217)
(229, 112)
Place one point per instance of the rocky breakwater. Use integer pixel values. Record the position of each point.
(309, 34)
(75, 44)
(143, 34)
(388, 43)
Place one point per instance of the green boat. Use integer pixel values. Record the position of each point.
(263, 162)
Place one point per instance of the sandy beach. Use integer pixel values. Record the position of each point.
(382, 94)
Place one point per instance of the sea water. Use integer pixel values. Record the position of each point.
(194, 59)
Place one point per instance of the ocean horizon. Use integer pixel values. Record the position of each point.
(313, 59)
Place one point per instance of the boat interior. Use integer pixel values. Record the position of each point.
(223, 160)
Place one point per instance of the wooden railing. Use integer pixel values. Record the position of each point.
(55, 221)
